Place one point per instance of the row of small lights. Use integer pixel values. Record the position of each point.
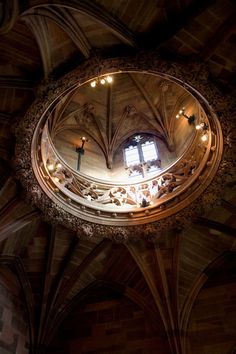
(201, 126)
(108, 79)
(181, 111)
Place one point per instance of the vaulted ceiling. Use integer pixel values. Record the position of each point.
(172, 294)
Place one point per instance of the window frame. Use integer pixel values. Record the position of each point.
(138, 144)
(154, 148)
(125, 157)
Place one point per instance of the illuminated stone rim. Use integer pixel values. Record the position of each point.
(196, 75)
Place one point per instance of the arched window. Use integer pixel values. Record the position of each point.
(132, 156)
(149, 151)
(141, 155)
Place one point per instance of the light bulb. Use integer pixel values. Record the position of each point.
(204, 137)
(93, 84)
(56, 179)
(109, 79)
(181, 111)
(177, 116)
(50, 167)
(102, 81)
(59, 165)
(198, 126)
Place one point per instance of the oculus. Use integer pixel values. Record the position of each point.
(171, 163)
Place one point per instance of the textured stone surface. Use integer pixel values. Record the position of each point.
(14, 337)
(110, 326)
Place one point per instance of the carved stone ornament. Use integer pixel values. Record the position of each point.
(202, 195)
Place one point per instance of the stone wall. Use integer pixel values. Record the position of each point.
(116, 326)
(212, 327)
(14, 337)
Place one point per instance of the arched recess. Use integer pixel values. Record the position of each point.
(212, 323)
(108, 317)
(94, 11)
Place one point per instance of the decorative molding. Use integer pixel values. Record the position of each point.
(194, 78)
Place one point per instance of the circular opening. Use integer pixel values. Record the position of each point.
(124, 128)
(134, 149)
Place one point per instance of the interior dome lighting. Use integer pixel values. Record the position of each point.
(93, 84)
(190, 119)
(102, 81)
(50, 167)
(109, 79)
(204, 137)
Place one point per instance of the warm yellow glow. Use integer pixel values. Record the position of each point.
(181, 111)
(109, 79)
(59, 165)
(102, 81)
(177, 116)
(56, 179)
(204, 137)
(198, 126)
(50, 167)
(83, 138)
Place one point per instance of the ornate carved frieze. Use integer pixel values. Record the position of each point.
(217, 163)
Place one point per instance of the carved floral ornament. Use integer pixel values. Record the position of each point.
(196, 196)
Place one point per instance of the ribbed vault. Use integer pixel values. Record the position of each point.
(165, 290)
